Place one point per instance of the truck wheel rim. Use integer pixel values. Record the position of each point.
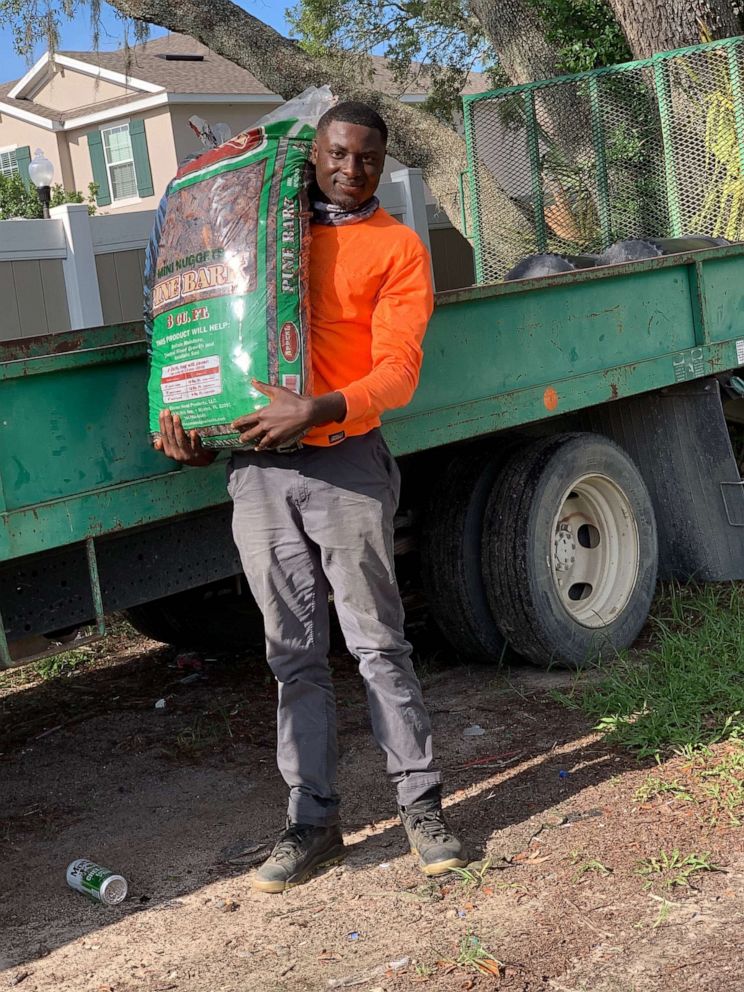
(595, 551)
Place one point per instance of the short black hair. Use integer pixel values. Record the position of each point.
(352, 112)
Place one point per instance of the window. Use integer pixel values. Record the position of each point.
(8, 164)
(117, 149)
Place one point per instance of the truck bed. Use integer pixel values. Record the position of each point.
(75, 460)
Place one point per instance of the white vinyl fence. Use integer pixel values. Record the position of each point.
(75, 271)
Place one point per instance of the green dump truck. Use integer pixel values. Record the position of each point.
(568, 445)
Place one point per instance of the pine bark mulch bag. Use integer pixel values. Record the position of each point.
(226, 276)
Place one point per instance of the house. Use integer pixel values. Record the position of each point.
(123, 124)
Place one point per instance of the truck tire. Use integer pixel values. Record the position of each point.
(570, 551)
(220, 616)
(451, 541)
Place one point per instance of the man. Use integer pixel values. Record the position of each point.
(319, 517)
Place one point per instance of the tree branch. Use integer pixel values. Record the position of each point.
(417, 139)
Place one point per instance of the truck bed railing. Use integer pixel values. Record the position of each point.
(653, 148)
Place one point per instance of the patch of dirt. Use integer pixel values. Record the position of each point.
(186, 800)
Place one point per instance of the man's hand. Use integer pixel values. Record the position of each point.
(179, 445)
(287, 417)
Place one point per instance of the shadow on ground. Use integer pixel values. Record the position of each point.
(178, 798)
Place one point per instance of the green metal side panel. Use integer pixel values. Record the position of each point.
(500, 356)
(75, 459)
(94, 435)
(65, 521)
(486, 347)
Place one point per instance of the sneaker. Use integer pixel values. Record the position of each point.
(430, 837)
(299, 851)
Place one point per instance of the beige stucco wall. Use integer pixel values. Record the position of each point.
(67, 89)
(238, 115)
(15, 134)
(67, 174)
(160, 150)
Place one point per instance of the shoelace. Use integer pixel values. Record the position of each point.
(290, 843)
(431, 824)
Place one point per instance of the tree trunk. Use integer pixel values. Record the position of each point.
(417, 139)
(652, 26)
(661, 25)
(517, 35)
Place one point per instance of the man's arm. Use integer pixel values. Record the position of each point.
(399, 322)
(288, 416)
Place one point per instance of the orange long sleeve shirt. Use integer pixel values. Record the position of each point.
(371, 298)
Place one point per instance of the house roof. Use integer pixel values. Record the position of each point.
(26, 105)
(214, 74)
(153, 77)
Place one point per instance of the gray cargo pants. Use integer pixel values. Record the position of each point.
(310, 522)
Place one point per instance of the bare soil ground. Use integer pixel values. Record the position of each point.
(184, 802)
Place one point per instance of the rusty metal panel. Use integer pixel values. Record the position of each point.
(84, 347)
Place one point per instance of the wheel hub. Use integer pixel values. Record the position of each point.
(565, 548)
(596, 551)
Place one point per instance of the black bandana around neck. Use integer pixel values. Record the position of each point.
(333, 216)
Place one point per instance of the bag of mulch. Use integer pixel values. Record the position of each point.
(226, 275)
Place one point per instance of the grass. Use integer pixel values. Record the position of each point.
(655, 787)
(473, 956)
(712, 780)
(45, 669)
(60, 664)
(592, 866)
(209, 729)
(722, 785)
(673, 869)
(422, 970)
(67, 662)
(687, 690)
(474, 876)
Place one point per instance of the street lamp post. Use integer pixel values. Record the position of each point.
(41, 173)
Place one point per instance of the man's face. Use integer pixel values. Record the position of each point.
(348, 160)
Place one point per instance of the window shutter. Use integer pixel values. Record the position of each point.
(98, 166)
(141, 158)
(23, 160)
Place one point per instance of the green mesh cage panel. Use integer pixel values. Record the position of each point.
(647, 149)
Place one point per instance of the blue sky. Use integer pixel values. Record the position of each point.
(76, 34)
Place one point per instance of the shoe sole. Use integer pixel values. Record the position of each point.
(275, 887)
(439, 867)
